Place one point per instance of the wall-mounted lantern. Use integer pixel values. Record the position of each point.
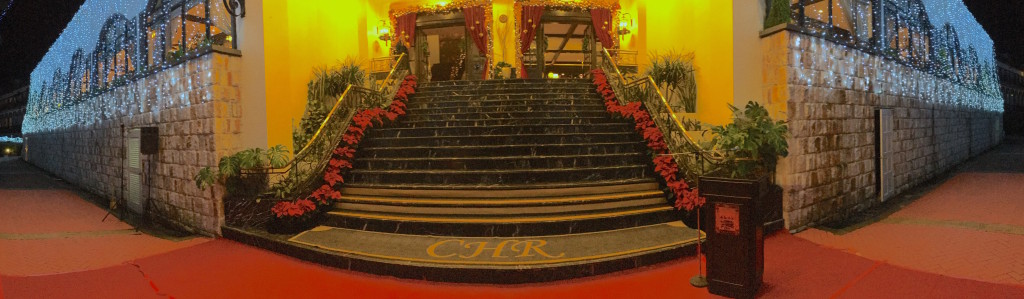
(625, 22)
(384, 31)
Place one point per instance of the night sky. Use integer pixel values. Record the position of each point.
(30, 26)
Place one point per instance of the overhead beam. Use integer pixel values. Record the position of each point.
(565, 40)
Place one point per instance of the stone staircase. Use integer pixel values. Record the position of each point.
(500, 181)
(502, 158)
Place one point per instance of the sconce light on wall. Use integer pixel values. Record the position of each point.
(625, 22)
(384, 31)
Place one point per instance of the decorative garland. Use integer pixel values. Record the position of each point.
(686, 198)
(342, 156)
(517, 11)
(452, 6)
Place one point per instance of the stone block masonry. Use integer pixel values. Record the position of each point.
(829, 93)
(196, 106)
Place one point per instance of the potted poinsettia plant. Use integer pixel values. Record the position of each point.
(292, 217)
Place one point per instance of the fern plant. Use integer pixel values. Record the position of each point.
(243, 171)
(752, 143)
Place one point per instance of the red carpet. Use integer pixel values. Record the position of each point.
(794, 268)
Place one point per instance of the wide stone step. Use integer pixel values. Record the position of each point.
(450, 131)
(586, 207)
(497, 163)
(503, 150)
(503, 202)
(536, 101)
(503, 225)
(508, 121)
(507, 87)
(506, 114)
(500, 192)
(441, 258)
(502, 98)
(505, 82)
(501, 139)
(595, 107)
(546, 90)
(500, 177)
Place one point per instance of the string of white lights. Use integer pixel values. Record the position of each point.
(111, 43)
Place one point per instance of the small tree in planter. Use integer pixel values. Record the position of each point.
(752, 144)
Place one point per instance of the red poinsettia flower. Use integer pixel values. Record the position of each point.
(344, 152)
(324, 194)
(333, 178)
(666, 166)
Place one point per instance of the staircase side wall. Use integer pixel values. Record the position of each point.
(196, 107)
(829, 94)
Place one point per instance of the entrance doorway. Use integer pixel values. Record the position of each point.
(564, 46)
(443, 52)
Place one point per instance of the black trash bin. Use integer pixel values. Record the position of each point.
(735, 244)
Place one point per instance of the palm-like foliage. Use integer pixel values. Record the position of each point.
(675, 75)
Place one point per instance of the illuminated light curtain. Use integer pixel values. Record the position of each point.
(603, 26)
(530, 19)
(405, 29)
(476, 22)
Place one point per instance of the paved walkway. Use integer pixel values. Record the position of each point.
(971, 226)
(52, 245)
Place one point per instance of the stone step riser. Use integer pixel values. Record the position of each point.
(506, 88)
(498, 229)
(506, 82)
(507, 211)
(497, 102)
(510, 177)
(493, 98)
(498, 130)
(505, 114)
(550, 91)
(500, 140)
(503, 151)
(492, 163)
(413, 112)
(505, 122)
(494, 202)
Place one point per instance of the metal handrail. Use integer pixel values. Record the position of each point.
(331, 131)
(646, 85)
(653, 85)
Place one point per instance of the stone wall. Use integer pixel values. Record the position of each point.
(829, 94)
(196, 106)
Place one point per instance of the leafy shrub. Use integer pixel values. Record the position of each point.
(779, 13)
(752, 143)
(243, 173)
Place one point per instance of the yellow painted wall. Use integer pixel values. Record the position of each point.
(301, 35)
(704, 27)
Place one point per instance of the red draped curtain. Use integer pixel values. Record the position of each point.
(529, 22)
(476, 23)
(603, 26)
(405, 29)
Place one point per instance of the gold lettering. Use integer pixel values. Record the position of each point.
(432, 250)
(481, 246)
(535, 245)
